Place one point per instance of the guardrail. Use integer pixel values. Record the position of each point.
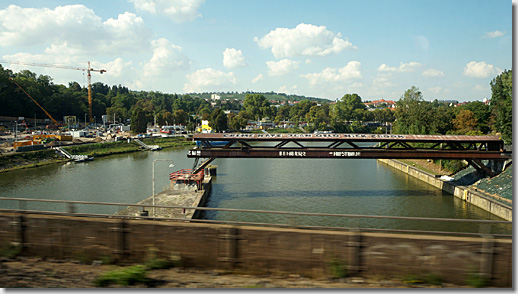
(69, 209)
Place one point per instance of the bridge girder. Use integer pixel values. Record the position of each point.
(342, 153)
(473, 149)
(246, 145)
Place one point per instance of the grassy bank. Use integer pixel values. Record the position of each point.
(31, 159)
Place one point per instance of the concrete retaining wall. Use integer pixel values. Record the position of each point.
(474, 197)
(259, 249)
(200, 201)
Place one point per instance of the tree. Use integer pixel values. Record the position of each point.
(502, 104)
(236, 122)
(138, 121)
(384, 115)
(348, 108)
(481, 113)
(353, 102)
(464, 122)
(244, 114)
(165, 118)
(218, 120)
(256, 105)
(411, 110)
(180, 116)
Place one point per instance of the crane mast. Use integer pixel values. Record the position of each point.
(89, 76)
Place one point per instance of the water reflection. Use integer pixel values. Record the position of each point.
(341, 186)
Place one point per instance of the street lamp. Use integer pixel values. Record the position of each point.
(153, 173)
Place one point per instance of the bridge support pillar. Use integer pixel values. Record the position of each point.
(486, 258)
(493, 168)
(18, 231)
(497, 166)
(120, 239)
(354, 251)
(228, 253)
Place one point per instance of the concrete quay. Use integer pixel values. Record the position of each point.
(484, 201)
(178, 195)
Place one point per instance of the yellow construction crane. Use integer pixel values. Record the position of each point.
(88, 70)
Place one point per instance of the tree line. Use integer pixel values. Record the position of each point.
(412, 115)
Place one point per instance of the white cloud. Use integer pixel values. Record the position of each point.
(422, 42)
(438, 90)
(303, 40)
(350, 71)
(209, 79)
(494, 34)
(287, 90)
(257, 78)
(177, 10)
(166, 58)
(481, 88)
(480, 69)
(116, 68)
(382, 80)
(282, 67)
(233, 58)
(72, 30)
(433, 73)
(403, 67)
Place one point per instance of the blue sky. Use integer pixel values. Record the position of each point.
(449, 49)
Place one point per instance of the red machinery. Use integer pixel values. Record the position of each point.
(184, 176)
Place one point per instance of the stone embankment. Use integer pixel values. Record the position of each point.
(495, 204)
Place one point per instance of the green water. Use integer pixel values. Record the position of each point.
(338, 186)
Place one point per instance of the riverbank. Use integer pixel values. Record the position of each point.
(23, 160)
(493, 203)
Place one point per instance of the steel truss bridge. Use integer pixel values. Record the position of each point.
(473, 149)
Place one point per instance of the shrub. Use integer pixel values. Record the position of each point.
(338, 268)
(127, 276)
(9, 250)
(159, 263)
(429, 279)
(432, 279)
(476, 280)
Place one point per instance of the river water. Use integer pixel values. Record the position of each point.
(346, 186)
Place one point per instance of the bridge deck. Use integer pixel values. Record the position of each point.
(347, 137)
(389, 146)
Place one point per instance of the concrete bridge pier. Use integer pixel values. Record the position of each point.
(497, 166)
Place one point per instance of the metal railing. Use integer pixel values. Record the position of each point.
(69, 209)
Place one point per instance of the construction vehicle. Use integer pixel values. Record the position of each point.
(88, 70)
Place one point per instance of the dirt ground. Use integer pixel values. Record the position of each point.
(24, 272)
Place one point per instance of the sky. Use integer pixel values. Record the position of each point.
(449, 49)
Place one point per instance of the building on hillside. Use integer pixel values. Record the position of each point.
(286, 124)
(215, 97)
(227, 112)
(450, 102)
(380, 103)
